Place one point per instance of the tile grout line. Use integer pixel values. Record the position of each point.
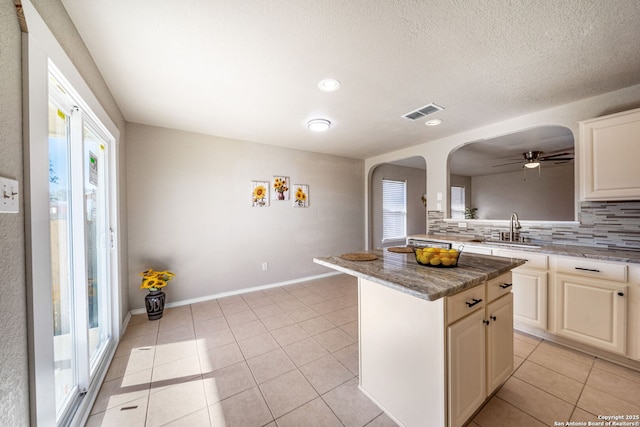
(584, 385)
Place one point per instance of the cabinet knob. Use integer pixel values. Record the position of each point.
(621, 294)
(494, 318)
(486, 322)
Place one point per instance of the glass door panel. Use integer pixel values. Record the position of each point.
(97, 240)
(64, 331)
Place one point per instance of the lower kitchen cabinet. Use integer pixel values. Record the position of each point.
(467, 367)
(530, 297)
(591, 311)
(480, 352)
(499, 342)
(529, 288)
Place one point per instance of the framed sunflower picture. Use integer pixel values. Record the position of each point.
(280, 188)
(300, 196)
(259, 194)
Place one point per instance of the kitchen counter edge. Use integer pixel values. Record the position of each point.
(422, 282)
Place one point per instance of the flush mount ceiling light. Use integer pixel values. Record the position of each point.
(434, 122)
(329, 85)
(319, 125)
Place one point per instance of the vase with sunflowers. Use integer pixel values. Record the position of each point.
(154, 300)
(280, 186)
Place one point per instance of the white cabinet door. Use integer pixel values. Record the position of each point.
(499, 342)
(591, 311)
(466, 367)
(609, 152)
(530, 297)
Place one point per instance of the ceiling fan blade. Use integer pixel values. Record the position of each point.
(506, 164)
(556, 155)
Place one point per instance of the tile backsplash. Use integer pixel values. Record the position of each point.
(601, 224)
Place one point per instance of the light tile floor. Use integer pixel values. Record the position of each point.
(288, 356)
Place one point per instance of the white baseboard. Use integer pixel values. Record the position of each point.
(232, 293)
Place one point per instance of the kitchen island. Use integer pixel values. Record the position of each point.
(430, 349)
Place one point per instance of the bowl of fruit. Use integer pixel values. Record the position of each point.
(437, 257)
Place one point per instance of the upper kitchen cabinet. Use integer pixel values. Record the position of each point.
(609, 153)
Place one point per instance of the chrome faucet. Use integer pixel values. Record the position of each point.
(515, 225)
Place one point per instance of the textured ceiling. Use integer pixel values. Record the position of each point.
(248, 69)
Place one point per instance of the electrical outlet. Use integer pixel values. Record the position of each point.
(265, 266)
(9, 195)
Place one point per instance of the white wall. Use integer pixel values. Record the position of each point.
(190, 212)
(437, 152)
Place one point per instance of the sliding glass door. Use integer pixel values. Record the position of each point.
(80, 244)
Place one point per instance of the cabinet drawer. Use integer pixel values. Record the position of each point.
(591, 268)
(465, 302)
(499, 286)
(534, 260)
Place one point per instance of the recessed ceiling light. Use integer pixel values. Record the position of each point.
(319, 125)
(329, 85)
(434, 122)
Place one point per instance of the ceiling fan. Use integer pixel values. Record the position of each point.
(532, 159)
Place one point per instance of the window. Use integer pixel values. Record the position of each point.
(394, 209)
(457, 202)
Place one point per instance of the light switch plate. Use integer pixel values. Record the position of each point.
(9, 195)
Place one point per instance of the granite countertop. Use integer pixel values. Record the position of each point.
(593, 252)
(402, 272)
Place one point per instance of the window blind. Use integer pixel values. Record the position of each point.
(394, 209)
(457, 202)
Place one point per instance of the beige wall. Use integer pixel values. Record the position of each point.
(190, 212)
(549, 197)
(14, 391)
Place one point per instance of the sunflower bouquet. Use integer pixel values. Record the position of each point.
(280, 185)
(154, 280)
(301, 197)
